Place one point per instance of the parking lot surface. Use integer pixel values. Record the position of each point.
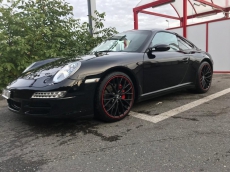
(194, 140)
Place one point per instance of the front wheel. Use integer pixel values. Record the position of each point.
(115, 97)
(204, 78)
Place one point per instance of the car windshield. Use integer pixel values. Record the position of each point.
(130, 41)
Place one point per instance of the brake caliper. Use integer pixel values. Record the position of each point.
(123, 91)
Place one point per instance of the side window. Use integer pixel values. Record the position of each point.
(183, 45)
(166, 38)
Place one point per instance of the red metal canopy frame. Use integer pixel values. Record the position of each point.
(183, 19)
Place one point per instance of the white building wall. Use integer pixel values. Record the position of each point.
(218, 41)
(219, 44)
(197, 35)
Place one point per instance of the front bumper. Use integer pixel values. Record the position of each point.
(78, 101)
(62, 107)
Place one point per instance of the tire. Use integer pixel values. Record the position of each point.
(114, 97)
(204, 77)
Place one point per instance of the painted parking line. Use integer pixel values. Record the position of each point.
(173, 112)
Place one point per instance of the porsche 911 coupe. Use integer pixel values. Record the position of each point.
(128, 67)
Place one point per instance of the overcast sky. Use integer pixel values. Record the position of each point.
(119, 14)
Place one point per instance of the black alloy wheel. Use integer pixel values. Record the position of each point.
(115, 97)
(204, 77)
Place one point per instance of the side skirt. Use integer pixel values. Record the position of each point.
(164, 91)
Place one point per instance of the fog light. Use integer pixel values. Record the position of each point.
(49, 95)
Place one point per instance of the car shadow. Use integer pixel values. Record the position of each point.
(68, 129)
(59, 126)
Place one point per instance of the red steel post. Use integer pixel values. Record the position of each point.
(211, 4)
(153, 4)
(185, 18)
(160, 15)
(227, 4)
(207, 36)
(135, 16)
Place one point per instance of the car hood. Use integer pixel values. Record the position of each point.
(48, 70)
(52, 68)
(43, 75)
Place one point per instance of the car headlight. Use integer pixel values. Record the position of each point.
(66, 71)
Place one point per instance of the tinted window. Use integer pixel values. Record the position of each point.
(166, 38)
(183, 45)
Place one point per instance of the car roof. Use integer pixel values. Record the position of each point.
(153, 30)
(156, 30)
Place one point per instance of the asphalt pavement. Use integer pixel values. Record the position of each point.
(195, 140)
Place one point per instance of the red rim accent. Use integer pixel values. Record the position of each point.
(122, 96)
(205, 78)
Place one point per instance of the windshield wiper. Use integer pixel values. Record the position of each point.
(97, 53)
(102, 51)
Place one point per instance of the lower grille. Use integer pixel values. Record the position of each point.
(39, 104)
(14, 105)
(37, 108)
(38, 112)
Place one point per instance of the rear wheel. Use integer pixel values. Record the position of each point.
(204, 78)
(115, 97)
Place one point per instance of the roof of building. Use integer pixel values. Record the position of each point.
(195, 8)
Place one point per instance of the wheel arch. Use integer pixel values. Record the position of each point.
(127, 72)
(207, 60)
(203, 60)
(198, 86)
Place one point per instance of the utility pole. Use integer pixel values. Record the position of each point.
(91, 9)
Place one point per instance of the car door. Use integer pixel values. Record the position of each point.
(167, 68)
(194, 53)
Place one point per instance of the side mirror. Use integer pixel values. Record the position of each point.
(160, 47)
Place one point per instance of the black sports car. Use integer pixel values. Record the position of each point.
(129, 67)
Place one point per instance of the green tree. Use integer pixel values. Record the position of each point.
(32, 30)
